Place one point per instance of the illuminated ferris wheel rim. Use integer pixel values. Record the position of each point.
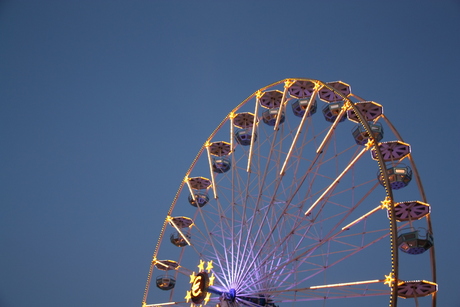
(345, 97)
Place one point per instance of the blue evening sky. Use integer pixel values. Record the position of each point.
(104, 104)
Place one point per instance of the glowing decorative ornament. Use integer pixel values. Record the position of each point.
(369, 144)
(188, 296)
(196, 286)
(389, 279)
(201, 265)
(192, 277)
(386, 203)
(211, 280)
(209, 267)
(200, 284)
(208, 296)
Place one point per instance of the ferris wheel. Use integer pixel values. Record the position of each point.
(304, 195)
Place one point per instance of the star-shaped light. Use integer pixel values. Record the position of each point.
(288, 83)
(188, 296)
(389, 279)
(317, 86)
(209, 267)
(369, 144)
(211, 279)
(386, 203)
(201, 265)
(192, 277)
(206, 300)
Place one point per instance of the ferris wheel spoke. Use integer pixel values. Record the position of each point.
(256, 124)
(309, 255)
(311, 271)
(265, 241)
(334, 291)
(258, 232)
(281, 108)
(299, 129)
(226, 230)
(336, 180)
(331, 131)
(208, 242)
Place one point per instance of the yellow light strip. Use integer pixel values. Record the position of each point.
(299, 129)
(232, 136)
(282, 104)
(210, 169)
(347, 284)
(329, 133)
(162, 304)
(161, 263)
(170, 220)
(362, 217)
(248, 169)
(187, 181)
(336, 180)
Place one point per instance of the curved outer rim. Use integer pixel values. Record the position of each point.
(382, 170)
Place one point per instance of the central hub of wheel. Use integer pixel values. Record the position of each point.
(230, 295)
(226, 296)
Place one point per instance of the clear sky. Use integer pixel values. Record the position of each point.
(104, 104)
